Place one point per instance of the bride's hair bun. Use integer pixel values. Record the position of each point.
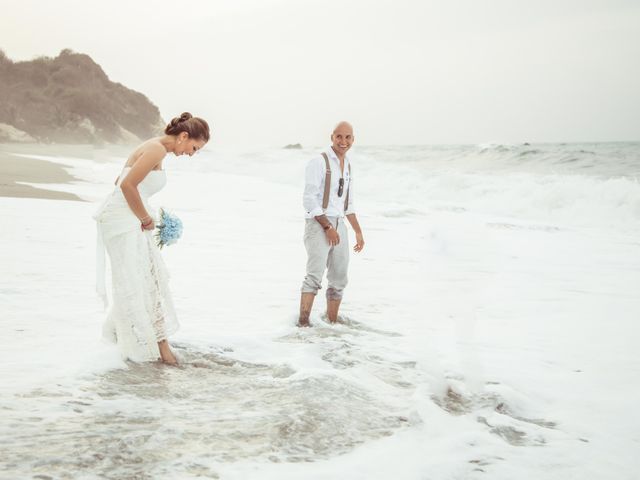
(177, 120)
(196, 127)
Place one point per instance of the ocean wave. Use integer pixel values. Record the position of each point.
(556, 199)
(565, 184)
(601, 159)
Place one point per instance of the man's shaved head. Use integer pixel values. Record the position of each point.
(343, 126)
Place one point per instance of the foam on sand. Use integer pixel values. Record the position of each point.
(489, 328)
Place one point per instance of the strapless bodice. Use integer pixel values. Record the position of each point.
(152, 183)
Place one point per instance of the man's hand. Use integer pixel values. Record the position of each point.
(359, 243)
(332, 236)
(353, 220)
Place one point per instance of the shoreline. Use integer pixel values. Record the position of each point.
(17, 167)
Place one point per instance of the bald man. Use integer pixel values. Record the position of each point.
(325, 236)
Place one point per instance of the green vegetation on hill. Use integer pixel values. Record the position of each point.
(70, 99)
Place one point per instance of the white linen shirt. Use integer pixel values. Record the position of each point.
(314, 187)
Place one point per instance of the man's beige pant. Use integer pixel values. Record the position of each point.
(321, 256)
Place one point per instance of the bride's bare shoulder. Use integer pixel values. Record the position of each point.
(152, 147)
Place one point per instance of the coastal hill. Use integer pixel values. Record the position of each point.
(69, 99)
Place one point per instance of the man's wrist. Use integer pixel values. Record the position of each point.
(323, 221)
(326, 227)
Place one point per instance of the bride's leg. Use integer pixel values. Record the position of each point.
(166, 354)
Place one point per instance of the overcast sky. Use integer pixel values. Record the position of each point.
(271, 72)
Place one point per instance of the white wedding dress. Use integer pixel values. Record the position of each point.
(141, 312)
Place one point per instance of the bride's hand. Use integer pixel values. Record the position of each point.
(149, 226)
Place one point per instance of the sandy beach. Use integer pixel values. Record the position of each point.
(23, 176)
(15, 169)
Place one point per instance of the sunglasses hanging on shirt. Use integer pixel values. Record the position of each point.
(340, 186)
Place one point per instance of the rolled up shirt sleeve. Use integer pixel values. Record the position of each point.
(313, 188)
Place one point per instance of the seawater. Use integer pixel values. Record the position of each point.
(489, 274)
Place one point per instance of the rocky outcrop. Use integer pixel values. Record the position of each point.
(70, 99)
(8, 133)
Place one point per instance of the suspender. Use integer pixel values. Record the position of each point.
(346, 200)
(327, 184)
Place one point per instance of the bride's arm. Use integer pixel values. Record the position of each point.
(148, 160)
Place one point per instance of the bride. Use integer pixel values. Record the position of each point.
(142, 315)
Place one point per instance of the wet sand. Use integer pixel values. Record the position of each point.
(15, 169)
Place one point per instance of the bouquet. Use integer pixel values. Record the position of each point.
(169, 229)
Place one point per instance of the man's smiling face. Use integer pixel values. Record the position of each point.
(342, 138)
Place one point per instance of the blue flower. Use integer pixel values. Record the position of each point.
(169, 229)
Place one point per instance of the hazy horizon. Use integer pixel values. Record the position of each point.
(275, 72)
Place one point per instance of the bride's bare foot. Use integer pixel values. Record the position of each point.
(166, 354)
